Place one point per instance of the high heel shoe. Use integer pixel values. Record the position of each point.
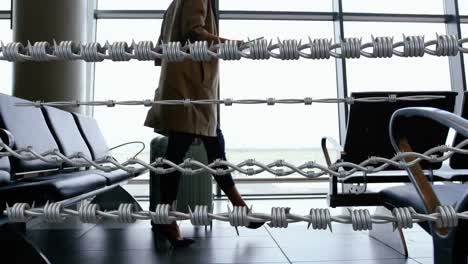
(254, 225)
(176, 243)
(236, 199)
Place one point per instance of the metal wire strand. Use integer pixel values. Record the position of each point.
(361, 219)
(53, 212)
(319, 49)
(351, 48)
(403, 218)
(461, 47)
(447, 45)
(392, 98)
(413, 46)
(199, 51)
(288, 49)
(14, 51)
(119, 51)
(280, 217)
(172, 52)
(320, 219)
(125, 213)
(93, 52)
(161, 215)
(67, 50)
(229, 50)
(259, 49)
(88, 213)
(17, 213)
(200, 215)
(40, 51)
(342, 170)
(238, 216)
(382, 47)
(448, 217)
(144, 51)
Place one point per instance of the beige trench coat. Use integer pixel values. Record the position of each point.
(187, 79)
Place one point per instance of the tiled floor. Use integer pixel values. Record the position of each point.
(117, 243)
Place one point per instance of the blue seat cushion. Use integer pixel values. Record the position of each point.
(4, 170)
(407, 196)
(66, 132)
(4, 177)
(56, 187)
(460, 161)
(92, 135)
(29, 128)
(111, 178)
(120, 175)
(116, 176)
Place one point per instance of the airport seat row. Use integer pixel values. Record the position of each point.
(422, 125)
(367, 135)
(44, 129)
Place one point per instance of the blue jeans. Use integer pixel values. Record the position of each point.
(178, 145)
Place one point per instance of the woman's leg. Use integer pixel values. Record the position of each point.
(177, 147)
(215, 149)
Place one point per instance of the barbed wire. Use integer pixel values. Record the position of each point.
(201, 215)
(393, 98)
(258, 49)
(341, 169)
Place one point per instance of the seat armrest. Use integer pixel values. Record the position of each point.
(460, 125)
(7, 138)
(143, 146)
(424, 188)
(325, 151)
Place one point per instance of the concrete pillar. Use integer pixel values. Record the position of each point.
(46, 20)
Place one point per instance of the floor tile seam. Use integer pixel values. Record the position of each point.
(416, 260)
(349, 260)
(279, 262)
(249, 262)
(345, 261)
(150, 249)
(86, 232)
(387, 246)
(277, 244)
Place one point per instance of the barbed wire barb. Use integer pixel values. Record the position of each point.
(279, 217)
(340, 169)
(288, 49)
(270, 101)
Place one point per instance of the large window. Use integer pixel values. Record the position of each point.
(289, 132)
(463, 7)
(287, 126)
(6, 68)
(5, 5)
(125, 81)
(397, 74)
(464, 30)
(134, 4)
(276, 5)
(395, 6)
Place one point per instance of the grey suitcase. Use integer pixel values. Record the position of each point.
(193, 189)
